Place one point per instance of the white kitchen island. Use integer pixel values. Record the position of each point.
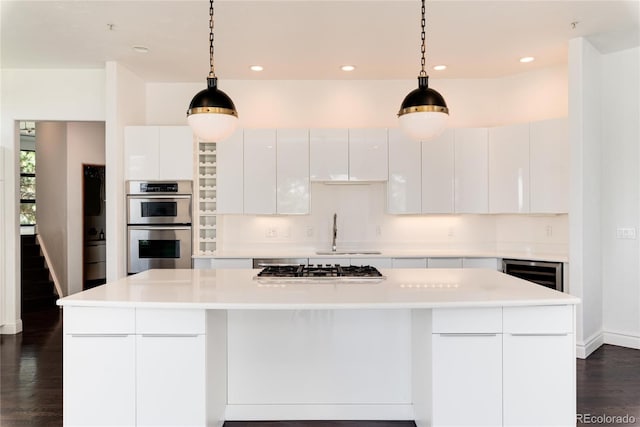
(445, 347)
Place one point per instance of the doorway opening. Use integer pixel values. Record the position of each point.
(60, 249)
(27, 178)
(94, 226)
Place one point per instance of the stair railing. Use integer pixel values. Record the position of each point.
(47, 261)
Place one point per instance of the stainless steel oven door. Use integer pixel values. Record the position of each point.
(159, 209)
(158, 247)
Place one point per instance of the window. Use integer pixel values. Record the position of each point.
(27, 187)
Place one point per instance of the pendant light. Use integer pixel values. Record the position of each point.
(211, 114)
(423, 114)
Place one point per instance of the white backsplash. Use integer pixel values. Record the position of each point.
(363, 224)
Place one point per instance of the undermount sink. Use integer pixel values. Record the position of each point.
(352, 252)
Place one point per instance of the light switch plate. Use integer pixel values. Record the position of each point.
(626, 233)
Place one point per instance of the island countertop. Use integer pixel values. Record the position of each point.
(237, 289)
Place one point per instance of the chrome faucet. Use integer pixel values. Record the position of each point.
(335, 232)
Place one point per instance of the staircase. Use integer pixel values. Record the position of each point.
(38, 291)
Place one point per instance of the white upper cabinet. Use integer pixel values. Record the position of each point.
(438, 174)
(471, 171)
(141, 152)
(292, 171)
(276, 171)
(404, 184)
(259, 171)
(329, 154)
(158, 152)
(509, 169)
(348, 154)
(368, 154)
(230, 174)
(176, 152)
(549, 141)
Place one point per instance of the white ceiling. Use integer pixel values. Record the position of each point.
(300, 39)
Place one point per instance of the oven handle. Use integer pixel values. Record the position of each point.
(158, 196)
(159, 227)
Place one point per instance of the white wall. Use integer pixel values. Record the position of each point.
(620, 207)
(51, 193)
(39, 95)
(85, 145)
(605, 179)
(585, 273)
(534, 95)
(125, 95)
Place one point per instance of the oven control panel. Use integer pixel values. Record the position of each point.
(159, 187)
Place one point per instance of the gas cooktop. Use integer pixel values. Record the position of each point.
(320, 272)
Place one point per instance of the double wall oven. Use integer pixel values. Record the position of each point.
(159, 225)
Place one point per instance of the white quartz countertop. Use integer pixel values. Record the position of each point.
(237, 289)
(391, 253)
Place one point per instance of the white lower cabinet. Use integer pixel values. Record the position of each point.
(99, 349)
(221, 263)
(539, 366)
(332, 260)
(467, 379)
(145, 367)
(444, 262)
(511, 366)
(374, 262)
(232, 263)
(490, 263)
(467, 367)
(170, 380)
(409, 262)
(107, 363)
(170, 368)
(539, 385)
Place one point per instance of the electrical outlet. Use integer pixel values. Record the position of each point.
(309, 231)
(549, 230)
(271, 232)
(378, 230)
(626, 233)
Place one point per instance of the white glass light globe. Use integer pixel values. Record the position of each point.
(212, 127)
(423, 125)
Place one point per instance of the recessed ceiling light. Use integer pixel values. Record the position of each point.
(347, 68)
(140, 49)
(440, 67)
(527, 59)
(257, 68)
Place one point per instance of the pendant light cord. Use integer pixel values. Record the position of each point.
(212, 73)
(423, 49)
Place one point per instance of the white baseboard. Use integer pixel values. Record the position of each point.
(11, 328)
(622, 339)
(319, 412)
(588, 346)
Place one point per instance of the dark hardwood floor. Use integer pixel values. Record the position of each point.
(31, 382)
(31, 372)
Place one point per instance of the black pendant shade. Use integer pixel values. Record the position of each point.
(423, 99)
(212, 114)
(212, 100)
